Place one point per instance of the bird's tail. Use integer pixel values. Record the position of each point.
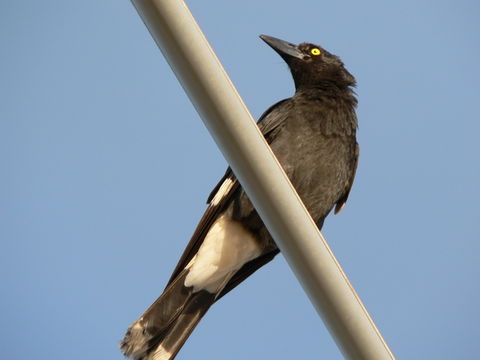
(165, 326)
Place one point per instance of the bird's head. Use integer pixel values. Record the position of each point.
(311, 65)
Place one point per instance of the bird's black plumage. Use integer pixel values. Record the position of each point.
(313, 136)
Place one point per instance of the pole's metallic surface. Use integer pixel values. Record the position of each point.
(215, 98)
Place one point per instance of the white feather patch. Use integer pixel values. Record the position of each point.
(160, 354)
(226, 248)
(222, 191)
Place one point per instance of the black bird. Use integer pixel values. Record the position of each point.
(313, 136)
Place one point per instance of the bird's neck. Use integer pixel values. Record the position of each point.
(338, 102)
(328, 89)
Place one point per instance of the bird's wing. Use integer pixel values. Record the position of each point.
(342, 201)
(217, 201)
(268, 124)
(220, 197)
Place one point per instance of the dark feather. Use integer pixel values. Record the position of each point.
(343, 200)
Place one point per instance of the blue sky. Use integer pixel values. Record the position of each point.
(106, 168)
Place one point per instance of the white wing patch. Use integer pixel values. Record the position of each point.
(222, 191)
(226, 248)
(160, 354)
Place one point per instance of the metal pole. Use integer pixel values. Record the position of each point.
(215, 98)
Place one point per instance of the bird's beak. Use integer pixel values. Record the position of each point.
(283, 48)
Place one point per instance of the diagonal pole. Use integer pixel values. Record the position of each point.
(227, 118)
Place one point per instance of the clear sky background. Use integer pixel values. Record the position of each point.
(105, 169)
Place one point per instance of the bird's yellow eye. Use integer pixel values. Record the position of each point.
(315, 51)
